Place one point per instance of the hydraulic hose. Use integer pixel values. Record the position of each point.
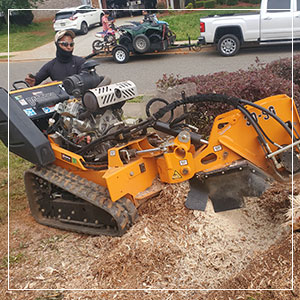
(215, 98)
(274, 116)
(235, 102)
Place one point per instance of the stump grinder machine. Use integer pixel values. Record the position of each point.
(92, 169)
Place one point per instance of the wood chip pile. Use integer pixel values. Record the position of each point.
(295, 212)
(172, 247)
(169, 247)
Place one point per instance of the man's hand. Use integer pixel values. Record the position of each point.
(30, 79)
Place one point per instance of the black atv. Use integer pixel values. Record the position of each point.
(150, 36)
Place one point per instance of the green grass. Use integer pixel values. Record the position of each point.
(17, 167)
(3, 156)
(26, 37)
(3, 39)
(188, 24)
(137, 99)
(51, 296)
(13, 259)
(52, 242)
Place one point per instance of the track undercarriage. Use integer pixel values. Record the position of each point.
(61, 199)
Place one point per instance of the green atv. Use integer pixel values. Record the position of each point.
(150, 36)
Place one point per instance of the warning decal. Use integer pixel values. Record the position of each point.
(176, 175)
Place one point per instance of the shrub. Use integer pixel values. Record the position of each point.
(22, 18)
(186, 2)
(168, 81)
(256, 83)
(254, 1)
(2, 23)
(199, 4)
(190, 6)
(209, 4)
(251, 85)
(221, 2)
(232, 2)
(283, 68)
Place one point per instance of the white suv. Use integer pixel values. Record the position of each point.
(78, 19)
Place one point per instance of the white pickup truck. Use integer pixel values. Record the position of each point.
(277, 22)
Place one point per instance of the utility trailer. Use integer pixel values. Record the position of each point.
(150, 36)
(122, 53)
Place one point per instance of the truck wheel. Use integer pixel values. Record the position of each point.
(120, 55)
(84, 28)
(141, 43)
(229, 45)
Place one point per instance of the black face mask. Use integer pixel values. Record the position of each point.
(62, 55)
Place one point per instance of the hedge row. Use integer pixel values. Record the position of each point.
(232, 2)
(252, 1)
(212, 3)
(258, 82)
(199, 4)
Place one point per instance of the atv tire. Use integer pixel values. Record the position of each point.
(120, 54)
(155, 38)
(141, 43)
(125, 40)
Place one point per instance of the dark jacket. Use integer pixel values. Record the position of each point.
(58, 71)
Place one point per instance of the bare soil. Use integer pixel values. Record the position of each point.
(169, 247)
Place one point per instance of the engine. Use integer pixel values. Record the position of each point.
(79, 123)
(91, 120)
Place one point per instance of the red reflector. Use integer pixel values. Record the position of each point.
(202, 27)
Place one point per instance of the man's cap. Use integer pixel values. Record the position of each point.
(62, 33)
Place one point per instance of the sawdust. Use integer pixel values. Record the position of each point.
(293, 214)
(169, 247)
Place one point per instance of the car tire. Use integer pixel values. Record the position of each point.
(228, 45)
(141, 43)
(120, 54)
(100, 23)
(84, 29)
